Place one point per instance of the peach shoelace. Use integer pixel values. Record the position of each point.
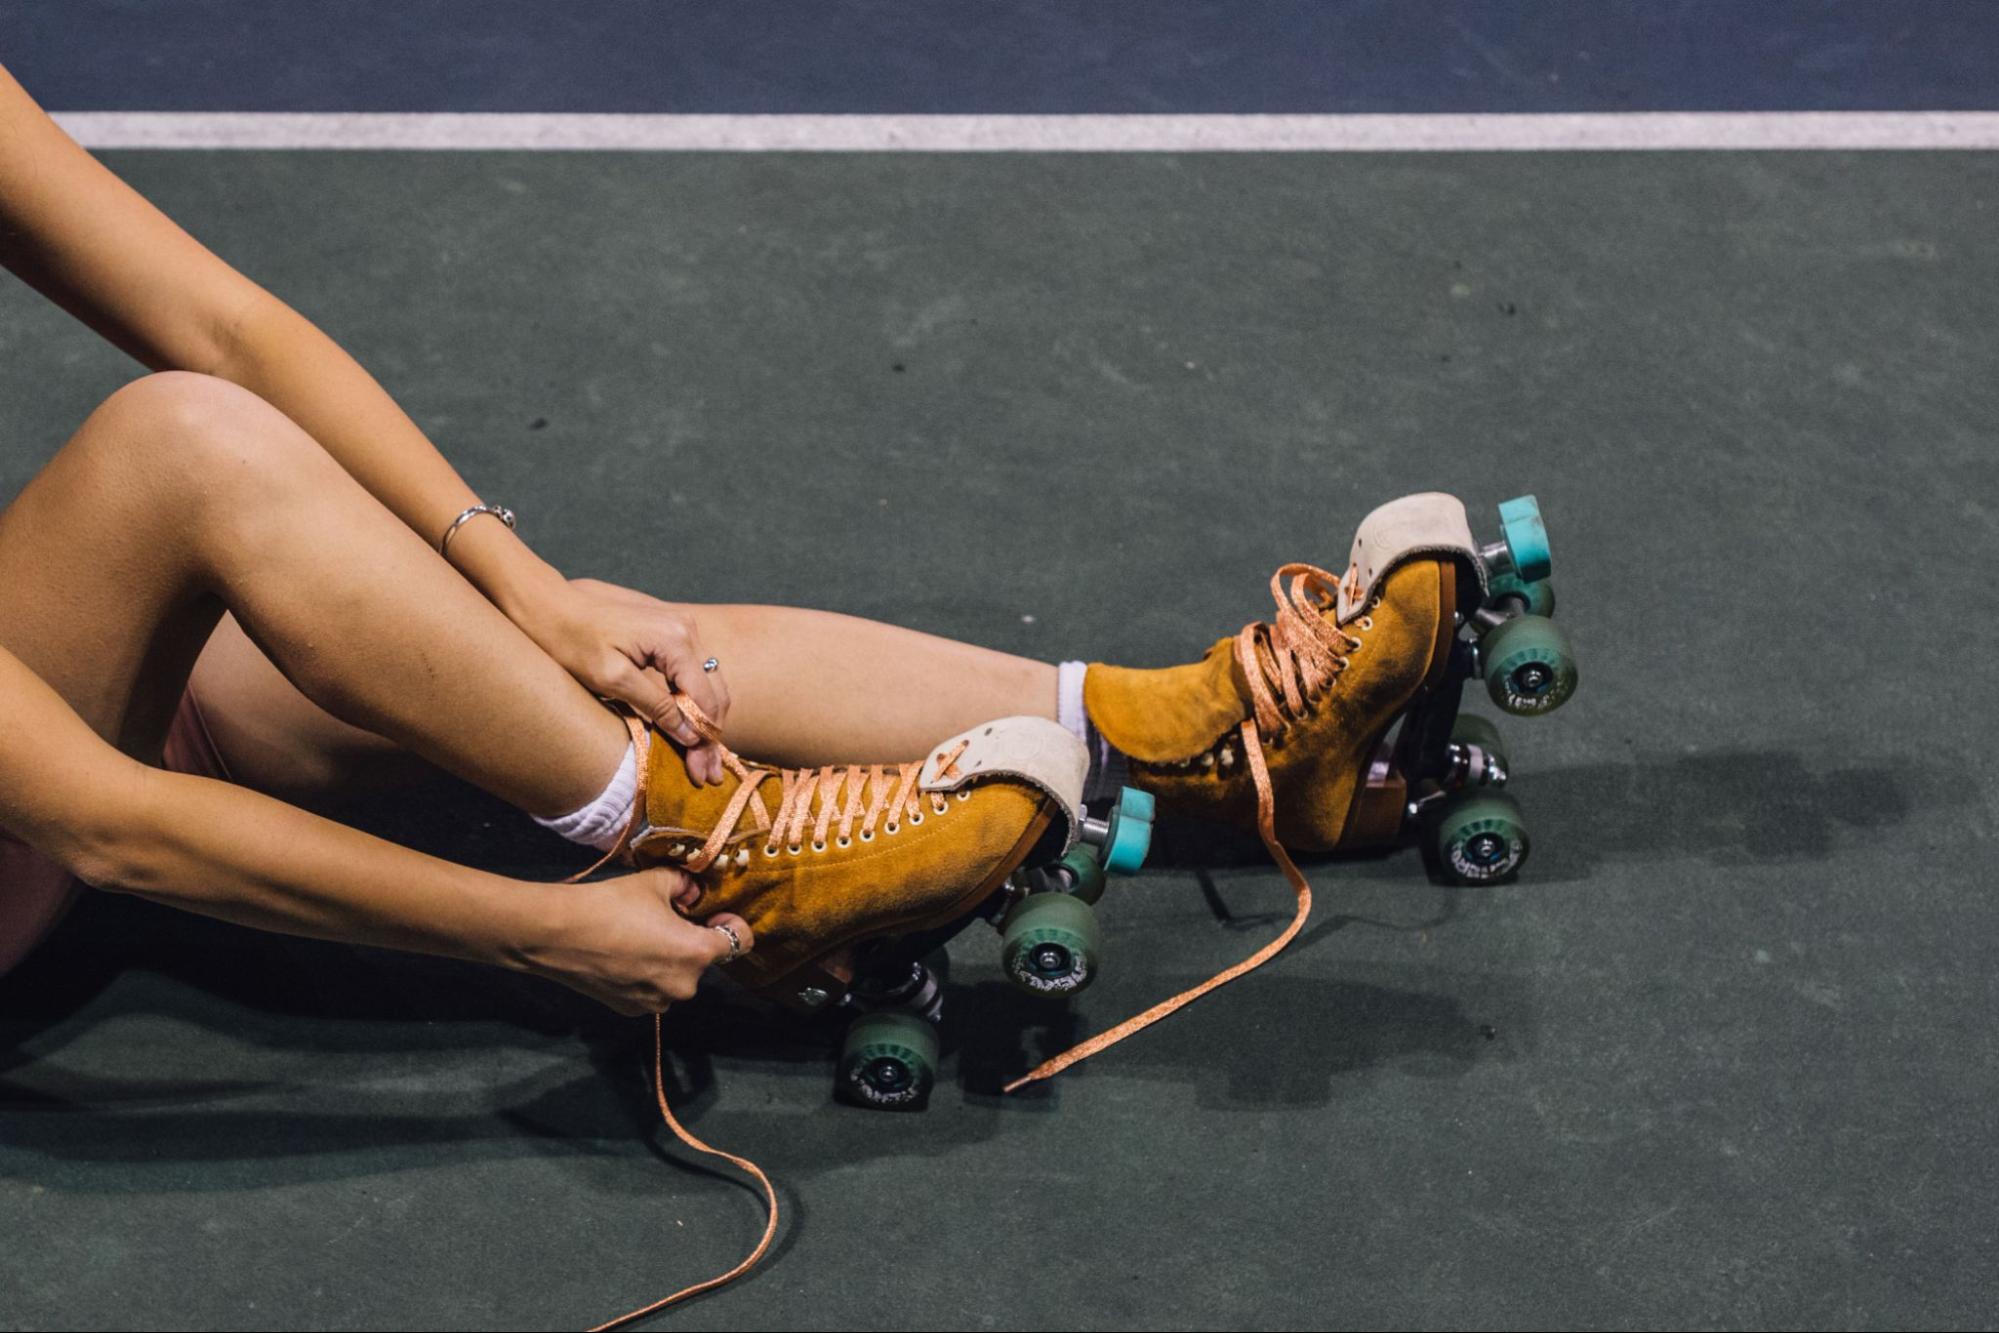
(1289, 663)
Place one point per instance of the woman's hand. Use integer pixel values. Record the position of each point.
(624, 941)
(627, 646)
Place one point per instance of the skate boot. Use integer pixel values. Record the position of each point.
(820, 860)
(1289, 721)
(1290, 727)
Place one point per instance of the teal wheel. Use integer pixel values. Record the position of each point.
(1480, 838)
(1526, 537)
(1529, 666)
(1470, 730)
(1051, 944)
(889, 1061)
(1536, 598)
(1130, 836)
(1085, 872)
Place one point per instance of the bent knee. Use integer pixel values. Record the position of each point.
(195, 433)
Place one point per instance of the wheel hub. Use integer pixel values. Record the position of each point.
(887, 1075)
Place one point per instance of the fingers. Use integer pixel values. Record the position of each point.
(727, 950)
(650, 698)
(672, 649)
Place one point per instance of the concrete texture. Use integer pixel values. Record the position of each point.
(1723, 1057)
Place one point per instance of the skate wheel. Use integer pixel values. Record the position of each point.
(1086, 874)
(1481, 838)
(1051, 944)
(1536, 598)
(888, 1062)
(1470, 730)
(1130, 836)
(1526, 537)
(1529, 666)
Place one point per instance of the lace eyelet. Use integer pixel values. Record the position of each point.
(915, 818)
(939, 806)
(793, 850)
(818, 846)
(891, 829)
(964, 795)
(770, 849)
(843, 843)
(1367, 622)
(867, 835)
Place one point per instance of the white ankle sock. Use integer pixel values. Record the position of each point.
(1108, 766)
(600, 823)
(1069, 710)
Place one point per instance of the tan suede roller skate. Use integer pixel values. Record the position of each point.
(1335, 726)
(848, 875)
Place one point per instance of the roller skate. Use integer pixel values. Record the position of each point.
(849, 876)
(1310, 699)
(1336, 726)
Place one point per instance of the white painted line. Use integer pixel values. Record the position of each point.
(1620, 132)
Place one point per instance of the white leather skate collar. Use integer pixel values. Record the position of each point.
(1430, 523)
(1033, 750)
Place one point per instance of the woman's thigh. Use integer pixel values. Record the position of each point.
(99, 592)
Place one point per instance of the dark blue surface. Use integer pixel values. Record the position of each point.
(874, 56)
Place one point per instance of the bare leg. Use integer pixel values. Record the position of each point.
(807, 687)
(817, 687)
(183, 495)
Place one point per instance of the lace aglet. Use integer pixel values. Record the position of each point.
(1032, 1076)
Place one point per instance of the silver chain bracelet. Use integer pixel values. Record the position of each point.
(501, 512)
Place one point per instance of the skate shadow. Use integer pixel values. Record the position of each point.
(393, 1057)
(1742, 807)
(1728, 807)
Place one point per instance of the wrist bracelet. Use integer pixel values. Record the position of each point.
(501, 512)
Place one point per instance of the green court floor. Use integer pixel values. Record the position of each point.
(1724, 1055)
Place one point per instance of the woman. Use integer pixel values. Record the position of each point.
(249, 576)
(249, 581)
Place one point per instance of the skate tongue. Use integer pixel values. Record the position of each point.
(1266, 828)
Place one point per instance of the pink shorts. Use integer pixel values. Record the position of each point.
(35, 891)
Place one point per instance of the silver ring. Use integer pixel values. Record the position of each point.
(735, 942)
(711, 664)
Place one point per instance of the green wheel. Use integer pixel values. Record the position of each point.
(1526, 537)
(1086, 874)
(1537, 598)
(1529, 666)
(1470, 730)
(889, 1061)
(1480, 838)
(1051, 944)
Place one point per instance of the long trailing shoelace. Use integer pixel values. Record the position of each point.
(832, 800)
(1289, 663)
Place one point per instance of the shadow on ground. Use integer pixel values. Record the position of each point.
(285, 995)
